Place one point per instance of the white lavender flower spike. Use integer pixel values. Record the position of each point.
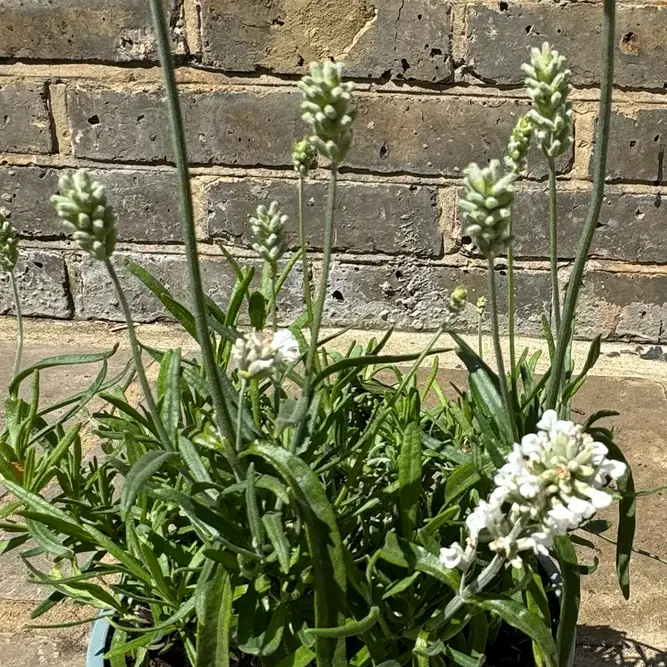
(519, 143)
(82, 206)
(304, 157)
(457, 300)
(262, 355)
(267, 228)
(548, 85)
(486, 207)
(9, 252)
(326, 108)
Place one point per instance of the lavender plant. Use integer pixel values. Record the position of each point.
(274, 502)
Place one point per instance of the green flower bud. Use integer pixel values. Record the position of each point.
(481, 306)
(548, 85)
(486, 208)
(519, 143)
(304, 157)
(326, 109)
(457, 300)
(267, 229)
(9, 252)
(82, 206)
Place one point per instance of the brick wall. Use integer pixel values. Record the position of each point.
(439, 86)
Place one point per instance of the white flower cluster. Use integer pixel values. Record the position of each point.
(260, 355)
(9, 252)
(548, 85)
(327, 109)
(82, 205)
(267, 227)
(486, 207)
(551, 483)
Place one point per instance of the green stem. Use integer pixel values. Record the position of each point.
(136, 355)
(326, 265)
(600, 161)
(274, 324)
(502, 375)
(511, 307)
(304, 254)
(19, 323)
(224, 421)
(553, 246)
(311, 358)
(239, 415)
(486, 576)
(274, 296)
(480, 346)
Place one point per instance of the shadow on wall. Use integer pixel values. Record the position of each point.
(603, 646)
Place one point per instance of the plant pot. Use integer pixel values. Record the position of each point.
(100, 635)
(98, 642)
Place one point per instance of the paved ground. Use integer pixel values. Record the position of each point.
(612, 631)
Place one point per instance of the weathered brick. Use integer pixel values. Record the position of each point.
(97, 299)
(623, 305)
(145, 201)
(392, 219)
(435, 135)
(498, 41)
(384, 39)
(239, 127)
(116, 30)
(42, 283)
(414, 296)
(631, 226)
(393, 133)
(25, 126)
(638, 145)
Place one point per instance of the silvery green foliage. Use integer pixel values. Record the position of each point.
(519, 143)
(304, 156)
(267, 228)
(547, 82)
(326, 109)
(486, 206)
(82, 205)
(9, 252)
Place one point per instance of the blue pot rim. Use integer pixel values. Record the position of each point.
(98, 642)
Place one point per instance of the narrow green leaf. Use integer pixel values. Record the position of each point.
(570, 599)
(149, 464)
(170, 383)
(257, 310)
(178, 310)
(273, 522)
(516, 615)
(61, 360)
(252, 507)
(409, 478)
(370, 360)
(215, 621)
(350, 629)
(627, 510)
